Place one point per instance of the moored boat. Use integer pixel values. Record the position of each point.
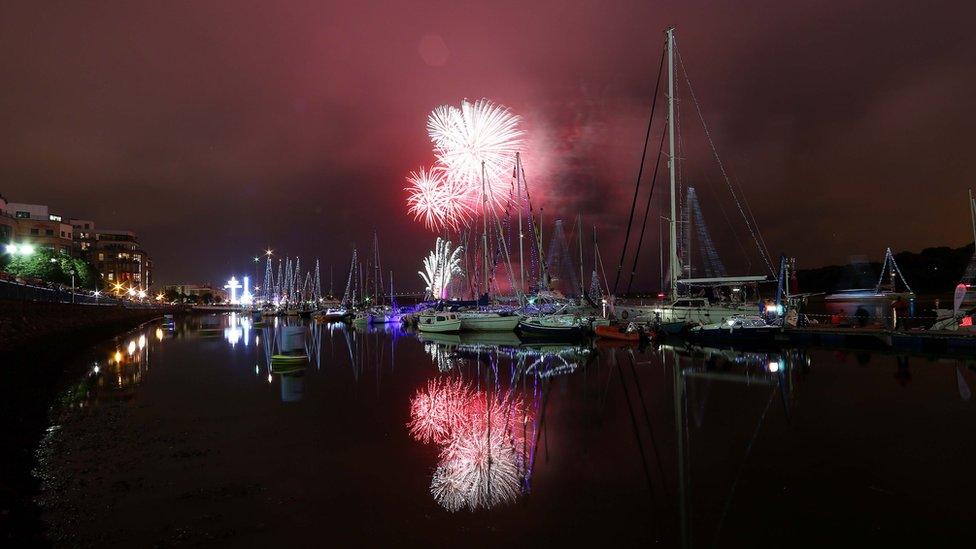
(621, 332)
(478, 321)
(552, 326)
(440, 322)
(735, 329)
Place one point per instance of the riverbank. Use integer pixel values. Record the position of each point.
(39, 342)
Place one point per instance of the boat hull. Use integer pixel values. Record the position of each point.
(551, 332)
(615, 333)
(490, 323)
(445, 327)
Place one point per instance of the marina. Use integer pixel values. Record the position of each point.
(465, 274)
(637, 439)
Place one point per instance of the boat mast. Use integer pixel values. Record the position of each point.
(484, 224)
(671, 169)
(518, 199)
(543, 270)
(972, 213)
(579, 225)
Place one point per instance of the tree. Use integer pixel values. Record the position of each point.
(173, 295)
(56, 268)
(43, 264)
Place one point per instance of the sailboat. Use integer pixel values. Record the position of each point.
(736, 295)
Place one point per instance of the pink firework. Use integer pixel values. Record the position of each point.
(476, 142)
(437, 410)
(482, 465)
(441, 202)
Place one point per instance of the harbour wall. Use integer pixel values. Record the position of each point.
(28, 323)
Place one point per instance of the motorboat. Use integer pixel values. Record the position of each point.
(735, 329)
(331, 315)
(439, 322)
(564, 326)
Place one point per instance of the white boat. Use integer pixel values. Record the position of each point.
(331, 315)
(477, 321)
(439, 322)
(553, 326)
(687, 310)
(738, 328)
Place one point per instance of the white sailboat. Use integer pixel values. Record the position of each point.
(699, 309)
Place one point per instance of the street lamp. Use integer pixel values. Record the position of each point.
(19, 249)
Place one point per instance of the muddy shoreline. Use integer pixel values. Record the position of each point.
(40, 363)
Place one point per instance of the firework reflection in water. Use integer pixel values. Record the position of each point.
(437, 410)
(484, 453)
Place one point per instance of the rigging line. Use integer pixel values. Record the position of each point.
(755, 223)
(721, 166)
(640, 171)
(728, 221)
(647, 207)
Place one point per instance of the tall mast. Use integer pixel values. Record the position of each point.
(579, 225)
(972, 213)
(671, 169)
(484, 224)
(543, 271)
(518, 201)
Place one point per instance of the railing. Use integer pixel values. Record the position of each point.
(22, 291)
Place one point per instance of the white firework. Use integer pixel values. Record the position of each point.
(476, 142)
(481, 466)
(442, 202)
(440, 265)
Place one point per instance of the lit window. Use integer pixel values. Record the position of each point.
(22, 215)
(111, 276)
(101, 257)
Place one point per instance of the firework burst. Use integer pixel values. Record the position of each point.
(441, 202)
(479, 133)
(437, 409)
(441, 264)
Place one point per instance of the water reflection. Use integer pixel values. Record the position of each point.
(679, 440)
(484, 410)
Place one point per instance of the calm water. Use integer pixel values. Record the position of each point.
(189, 434)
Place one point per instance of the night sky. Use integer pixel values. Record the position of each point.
(215, 129)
